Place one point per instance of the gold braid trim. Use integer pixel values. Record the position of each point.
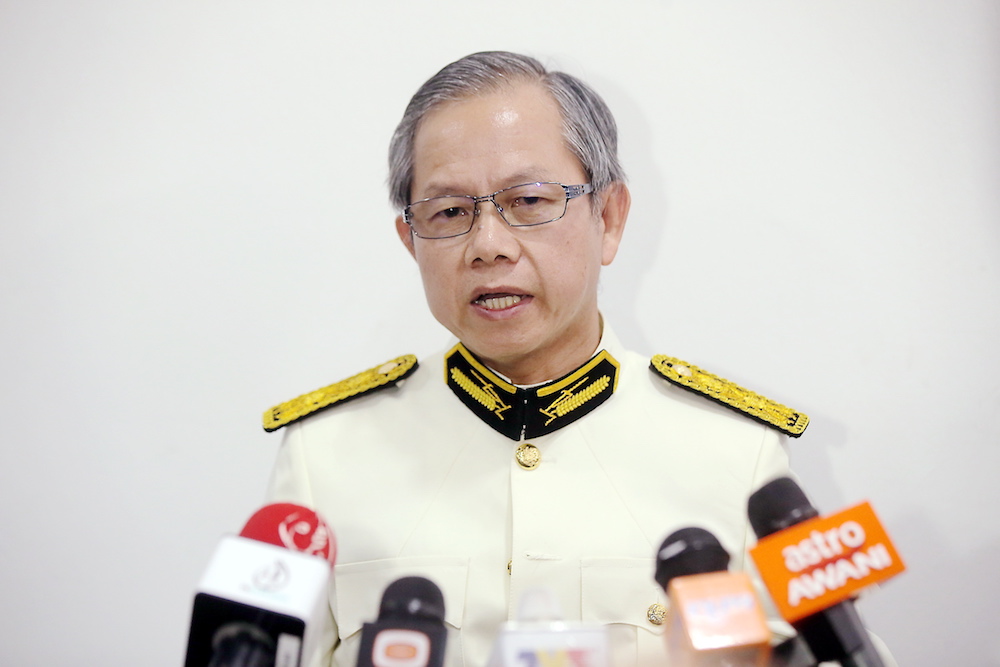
(567, 401)
(679, 372)
(356, 385)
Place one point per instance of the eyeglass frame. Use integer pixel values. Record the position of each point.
(571, 191)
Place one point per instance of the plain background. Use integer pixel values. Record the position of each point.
(195, 227)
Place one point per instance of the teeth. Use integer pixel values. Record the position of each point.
(498, 302)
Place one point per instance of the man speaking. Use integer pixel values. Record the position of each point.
(534, 450)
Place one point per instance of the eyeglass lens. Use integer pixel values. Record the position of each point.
(521, 205)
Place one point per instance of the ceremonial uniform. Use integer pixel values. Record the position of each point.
(445, 470)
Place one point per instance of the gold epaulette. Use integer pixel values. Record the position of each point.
(365, 382)
(730, 394)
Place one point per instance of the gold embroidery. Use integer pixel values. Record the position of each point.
(486, 394)
(567, 401)
(687, 375)
(363, 382)
(521, 412)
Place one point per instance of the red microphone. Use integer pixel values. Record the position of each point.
(293, 527)
(264, 592)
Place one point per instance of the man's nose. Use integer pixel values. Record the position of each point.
(488, 205)
(491, 238)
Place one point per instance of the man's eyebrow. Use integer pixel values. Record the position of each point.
(534, 175)
(518, 178)
(437, 190)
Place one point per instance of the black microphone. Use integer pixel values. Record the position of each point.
(410, 629)
(243, 644)
(835, 633)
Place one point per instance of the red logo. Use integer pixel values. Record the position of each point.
(294, 527)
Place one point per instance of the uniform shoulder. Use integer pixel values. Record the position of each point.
(365, 382)
(690, 377)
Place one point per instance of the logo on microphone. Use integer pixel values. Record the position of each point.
(817, 563)
(293, 527)
(272, 577)
(306, 533)
(401, 648)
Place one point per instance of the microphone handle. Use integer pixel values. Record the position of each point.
(836, 633)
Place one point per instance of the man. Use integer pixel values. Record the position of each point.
(536, 450)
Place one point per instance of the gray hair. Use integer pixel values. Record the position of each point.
(588, 127)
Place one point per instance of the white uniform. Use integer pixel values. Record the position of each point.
(412, 481)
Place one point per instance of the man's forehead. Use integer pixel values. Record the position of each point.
(490, 141)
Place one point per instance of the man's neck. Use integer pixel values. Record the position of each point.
(543, 365)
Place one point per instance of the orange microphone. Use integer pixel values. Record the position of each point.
(714, 618)
(814, 566)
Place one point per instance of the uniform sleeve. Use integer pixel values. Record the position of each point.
(290, 483)
(290, 475)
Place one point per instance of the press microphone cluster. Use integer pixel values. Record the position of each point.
(260, 598)
(811, 565)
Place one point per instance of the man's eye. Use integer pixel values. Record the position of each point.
(527, 201)
(452, 212)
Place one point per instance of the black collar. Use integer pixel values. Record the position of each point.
(519, 413)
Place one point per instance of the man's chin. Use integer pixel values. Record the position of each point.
(497, 349)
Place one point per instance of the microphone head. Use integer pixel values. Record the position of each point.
(294, 527)
(777, 505)
(412, 598)
(689, 551)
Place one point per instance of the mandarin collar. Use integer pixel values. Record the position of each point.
(529, 412)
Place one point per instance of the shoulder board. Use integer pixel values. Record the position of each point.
(365, 382)
(730, 394)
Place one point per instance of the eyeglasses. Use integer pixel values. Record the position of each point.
(520, 206)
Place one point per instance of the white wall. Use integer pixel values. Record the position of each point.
(194, 227)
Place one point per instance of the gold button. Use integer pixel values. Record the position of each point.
(656, 613)
(508, 566)
(528, 456)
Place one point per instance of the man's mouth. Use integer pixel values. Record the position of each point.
(498, 302)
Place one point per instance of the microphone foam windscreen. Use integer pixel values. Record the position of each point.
(689, 551)
(412, 597)
(294, 527)
(777, 505)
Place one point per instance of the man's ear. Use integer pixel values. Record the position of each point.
(405, 234)
(615, 203)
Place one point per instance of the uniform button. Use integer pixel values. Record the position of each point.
(656, 613)
(528, 456)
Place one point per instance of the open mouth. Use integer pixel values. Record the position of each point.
(497, 301)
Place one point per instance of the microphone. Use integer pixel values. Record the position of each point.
(713, 616)
(410, 628)
(541, 636)
(263, 592)
(813, 567)
(292, 527)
